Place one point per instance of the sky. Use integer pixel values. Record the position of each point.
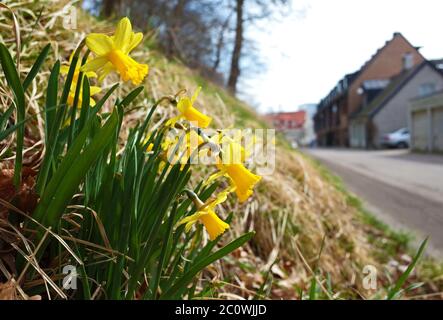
(309, 50)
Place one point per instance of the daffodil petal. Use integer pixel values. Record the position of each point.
(105, 71)
(64, 69)
(194, 115)
(190, 220)
(136, 38)
(222, 196)
(91, 74)
(94, 90)
(195, 95)
(99, 43)
(171, 122)
(123, 34)
(94, 64)
(213, 177)
(184, 104)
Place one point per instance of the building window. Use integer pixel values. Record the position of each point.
(408, 61)
(426, 89)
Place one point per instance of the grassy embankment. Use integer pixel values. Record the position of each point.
(312, 239)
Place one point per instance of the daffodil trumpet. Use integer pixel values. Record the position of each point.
(188, 111)
(206, 215)
(242, 180)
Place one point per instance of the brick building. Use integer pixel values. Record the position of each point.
(346, 98)
(388, 111)
(291, 124)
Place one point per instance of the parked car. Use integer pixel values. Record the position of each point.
(398, 139)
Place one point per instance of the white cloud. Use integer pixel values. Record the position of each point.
(307, 52)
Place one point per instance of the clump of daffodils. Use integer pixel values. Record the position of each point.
(112, 54)
(229, 163)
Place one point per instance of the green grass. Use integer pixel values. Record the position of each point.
(401, 239)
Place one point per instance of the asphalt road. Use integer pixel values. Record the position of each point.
(402, 189)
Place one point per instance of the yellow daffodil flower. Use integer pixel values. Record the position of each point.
(243, 179)
(187, 111)
(112, 53)
(93, 89)
(180, 148)
(145, 141)
(233, 151)
(65, 69)
(207, 216)
(193, 142)
(150, 147)
(231, 165)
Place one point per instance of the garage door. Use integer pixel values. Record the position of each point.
(358, 135)
(437, 126)
(420, 130)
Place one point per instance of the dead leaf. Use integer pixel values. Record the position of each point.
(25, 197)
(7, 291)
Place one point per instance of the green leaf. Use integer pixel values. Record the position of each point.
(4, 118)
(102, 101)
(62, 170)
(70, 76)
(11, 129)
(14, 82)
(36, 67)
(131, 96)
(51, 98)
(86, 98)
(50, 126)
(313, 288)
(395, 291)
(165, 243)
(196, 268)
(80, 80)
(72, 171)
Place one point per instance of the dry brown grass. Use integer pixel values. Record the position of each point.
(295, 210)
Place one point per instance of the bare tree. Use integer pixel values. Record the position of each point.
(247, 11)
(199, 32)
(109, 7)
(174, 22)
(236, 53)
(221, 42)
